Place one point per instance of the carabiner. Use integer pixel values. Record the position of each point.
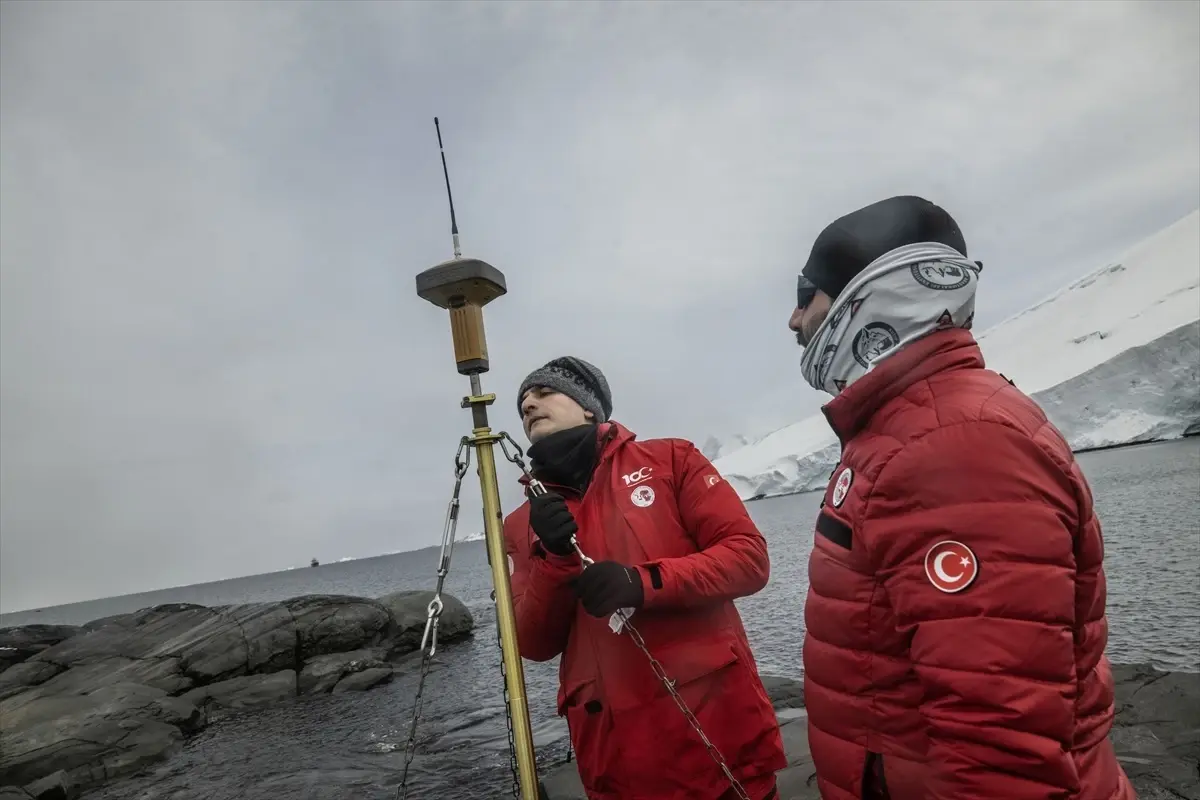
(435, 613)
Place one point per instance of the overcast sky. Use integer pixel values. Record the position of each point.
(213, 360)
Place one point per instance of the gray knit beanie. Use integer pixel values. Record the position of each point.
(575, 378)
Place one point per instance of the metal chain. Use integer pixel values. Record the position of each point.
(516, 458)
(512, 738)
(687, 712)
(537, 488)
(410, 747)
(434, 611)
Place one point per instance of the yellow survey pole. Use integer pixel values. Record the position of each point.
(463, 286)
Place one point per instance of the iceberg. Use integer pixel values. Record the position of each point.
(1113, 358)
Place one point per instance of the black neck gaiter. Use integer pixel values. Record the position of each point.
(566, 458)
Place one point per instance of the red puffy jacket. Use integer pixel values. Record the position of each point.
(658, 505)
(955, 617)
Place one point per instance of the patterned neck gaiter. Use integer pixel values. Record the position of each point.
(903, 295)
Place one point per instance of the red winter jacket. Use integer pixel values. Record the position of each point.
(955, 625)
(658, 505)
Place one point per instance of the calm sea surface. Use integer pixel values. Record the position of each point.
(351, 745)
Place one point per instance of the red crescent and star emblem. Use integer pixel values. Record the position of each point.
(951, 566)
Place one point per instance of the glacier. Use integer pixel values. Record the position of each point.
(718, 447)
(1113, 358)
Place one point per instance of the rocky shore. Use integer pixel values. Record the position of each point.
(80, 706)
(84, 706)
(1156, 735)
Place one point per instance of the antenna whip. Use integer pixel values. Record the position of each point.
(446, 173)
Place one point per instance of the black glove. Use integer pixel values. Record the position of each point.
(551, 520)
(606, 586)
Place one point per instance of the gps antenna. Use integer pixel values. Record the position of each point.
(449, 196)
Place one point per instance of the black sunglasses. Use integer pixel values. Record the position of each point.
(806, 290)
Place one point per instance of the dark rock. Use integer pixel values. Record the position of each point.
(364, 680)
(110, 729)
(161, 673)
(173, 648)
(338, 623)
(136, 618)
(23, 641)
(26, 675)
(139, 744)
(52, 787)
(784, 692)
(410, 611)
(248, 691)
(272, 638)
(116, 620)
(14, 793)
(257, 637)
(104, 700)
(118, 701)
(154, 633)
(1156, 733)
(322, 673)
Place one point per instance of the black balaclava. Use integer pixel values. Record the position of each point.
(567, 457)
(852, 242)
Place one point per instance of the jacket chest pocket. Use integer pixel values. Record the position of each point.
(634, 525)
(653, 532)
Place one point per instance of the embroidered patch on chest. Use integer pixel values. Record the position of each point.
(642, 496)
(842, 487)
(951, 566)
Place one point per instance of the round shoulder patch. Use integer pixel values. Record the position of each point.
(842, 487)
(951, 566)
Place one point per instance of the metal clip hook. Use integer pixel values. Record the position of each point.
(431, 623)
(587, 561)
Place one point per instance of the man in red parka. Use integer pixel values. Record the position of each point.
(672, 542)
(955, 623)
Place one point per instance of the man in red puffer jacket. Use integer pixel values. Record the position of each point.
(673, 544)
(955, 622)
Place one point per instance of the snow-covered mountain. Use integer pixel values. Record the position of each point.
(1113, 358)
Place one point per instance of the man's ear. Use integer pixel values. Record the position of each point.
(589, 416)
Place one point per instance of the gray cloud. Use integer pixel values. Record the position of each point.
(212, 360)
